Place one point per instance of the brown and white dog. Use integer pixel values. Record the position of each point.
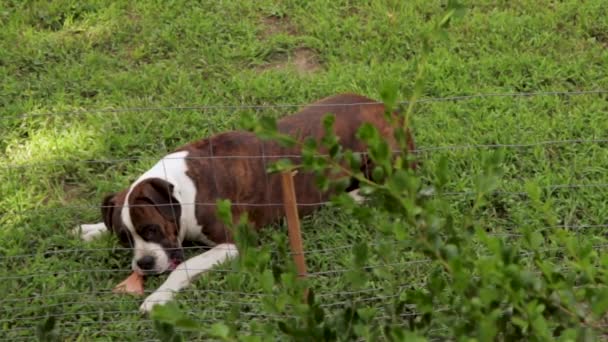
(175, 200)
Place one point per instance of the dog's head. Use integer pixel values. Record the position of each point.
(146, 218)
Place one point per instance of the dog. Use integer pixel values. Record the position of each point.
(174, 201)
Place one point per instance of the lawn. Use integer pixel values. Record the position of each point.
(94, 93)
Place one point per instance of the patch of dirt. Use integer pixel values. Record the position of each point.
(275, 25)
(303, 60)
(69, 193)
(601, 38)
(306, 61)
(72, 192)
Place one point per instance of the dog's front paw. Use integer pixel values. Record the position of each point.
(355, 195)
(159, 297)
(88, 232)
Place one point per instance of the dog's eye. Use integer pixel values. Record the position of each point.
(150, 232)
(124, 238)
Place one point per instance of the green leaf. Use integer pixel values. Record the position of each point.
(568, 335)
(269, 304)
(167, 332)
(389, 94)
(367, 313)
(533, 191)
(187, 324)
(539, 324)
(442, 172)
(380, 151)
(441, 35)
(234, 281)
(285, 328)
(267, 280)
(487, 295)
(268, 124)
(224, 211)
(360, 253)
(354, 160)
(599, 305)
(487, 328)
(410, 336)
(250, 338)
(322, 182)
(280, 303)
(378, 174)
(328, 122)
(367, 132)
(401, 181)
(446, 19)
(436, 282)
(45, 330)
(220, 330)
(334, 150)
(309, 144)
(280, 165)
(166, 313)
(458, 9)
(49, 324)
(451, 251)
(356, 278)
(318, 314)
(523, 324)
(310, 299)
(418, 88)
(536, 240)
(285, 140)
(401, 232)
(247, 122)
(422, 300)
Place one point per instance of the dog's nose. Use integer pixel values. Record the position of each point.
(146, 263)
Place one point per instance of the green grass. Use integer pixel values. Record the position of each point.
(68, 56)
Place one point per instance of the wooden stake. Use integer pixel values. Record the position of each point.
(293, 222)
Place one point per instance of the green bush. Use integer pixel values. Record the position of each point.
(477, 287)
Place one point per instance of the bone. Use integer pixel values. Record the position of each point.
(134, 285)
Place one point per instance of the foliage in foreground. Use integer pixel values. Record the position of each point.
(478, 287)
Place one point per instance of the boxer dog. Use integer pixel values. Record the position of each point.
(174, 201)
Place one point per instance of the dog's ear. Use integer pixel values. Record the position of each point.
(160, 193)
(107, 210)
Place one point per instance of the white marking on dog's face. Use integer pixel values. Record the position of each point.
(171, 169)
(142, 249)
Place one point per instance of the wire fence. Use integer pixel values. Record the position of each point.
(455, 98)
(85, 298)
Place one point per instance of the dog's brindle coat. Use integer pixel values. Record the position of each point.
(156, 213)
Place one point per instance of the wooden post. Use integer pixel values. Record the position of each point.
(293, 222)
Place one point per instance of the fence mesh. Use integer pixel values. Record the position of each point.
(47, 271)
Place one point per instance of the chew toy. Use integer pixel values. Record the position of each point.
(134, 285)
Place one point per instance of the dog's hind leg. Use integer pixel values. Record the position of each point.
(88, 232)
(355, 195)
